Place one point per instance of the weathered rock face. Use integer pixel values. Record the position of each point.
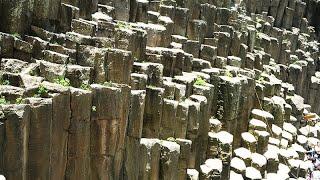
(16, 16)
(15, 138)
(78, 164)
(150, 89)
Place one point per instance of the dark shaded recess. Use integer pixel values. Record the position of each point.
(315, 19)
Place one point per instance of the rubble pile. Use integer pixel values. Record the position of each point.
(158, 89)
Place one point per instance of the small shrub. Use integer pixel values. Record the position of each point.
(32, 73)
(85, 86)
(62, 81)
(200, 81)
(16, 35)
(5, 82)
(19, 100)
(3, 100)
(228, 73)
(122, 25)
(151, 86)
(42, 91)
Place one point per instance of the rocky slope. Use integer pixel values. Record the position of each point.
(158, 89)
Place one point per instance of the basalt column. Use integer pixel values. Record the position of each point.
(14, 128)
(78, 166)
(109, 119)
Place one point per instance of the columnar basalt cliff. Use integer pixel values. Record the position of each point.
(158, 89)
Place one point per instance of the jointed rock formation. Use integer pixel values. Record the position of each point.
(158, 89)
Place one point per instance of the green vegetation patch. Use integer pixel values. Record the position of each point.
(85, 86)
(200, 81)
(62, 81)
(3, 100)
(5, 82)
(42, 91)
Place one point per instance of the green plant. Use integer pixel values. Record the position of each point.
(3, 100)
(32, 73)
(19, 100)
(228, 73)
(85, 86)
(17, 35)
(261, 78)
(108, 84)
(5, 82)
(42, 91)
(151, 86)
(122, 25)
(200, 81)
(62, 81)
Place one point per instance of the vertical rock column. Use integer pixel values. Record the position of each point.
(193, 130)
(280, 12)
(169, 158)
(169, 111)
(298, 14)
(66, 14)
(150, 159)
(288, 18)
(245, 106)
(181, 21)
(208, 91)
(118, 66)
(6, 44)
(153, 112)
(41, 16)
(185, 150)
(2, 133)
(229, 96)
(86, 7)
(220, 146)
(40, 144)
(274, 7)
(181, 120)
(61, 114)
(14, 131)
(78, 165)
(134, 133)
(202, 140)
(138, 11)
(123, 123)
(214, 80)
(108, 128)
(14, 16)
(208, 14)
